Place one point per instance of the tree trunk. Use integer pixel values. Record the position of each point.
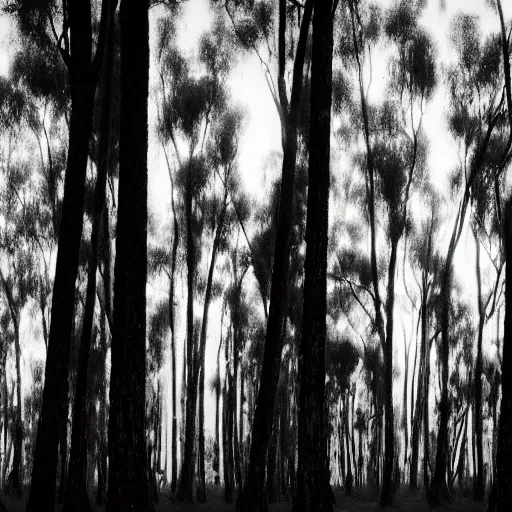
(252, 497)
(387, 497)
(185, 492)
(503, 485)
(172, 323)
(17, 460)
(76, 498)
(313, 470)
(479, 489)
(102, 415)
(420, 391)
(201, 490)
(426, 424)
(83, 79)
(63, 446)
(128, 487)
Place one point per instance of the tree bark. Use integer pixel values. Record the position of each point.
(128, 482)
(252, 497)
(313, 470)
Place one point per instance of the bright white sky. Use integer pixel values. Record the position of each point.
(262, 137)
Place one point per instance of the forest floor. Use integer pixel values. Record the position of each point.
(360, 501)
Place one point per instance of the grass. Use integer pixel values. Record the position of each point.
(360, 501)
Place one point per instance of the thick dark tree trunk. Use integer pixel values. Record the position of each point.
(313, 470)
(128, 487)
(502, 492)
(185, 491)
(83, 79)
(252, 497)
(76, 498)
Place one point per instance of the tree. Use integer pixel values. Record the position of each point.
(312, 471)
(252, 496)
(76, 490)
(75, 45)
(477, 75)
(128, 482)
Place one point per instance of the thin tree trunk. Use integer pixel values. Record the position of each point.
(201, 490)
(172, 323)
(18, 428)
(102, 417)
(128, 487)
(420, 399)
(479, 489)
(313, 471)
(501, 499)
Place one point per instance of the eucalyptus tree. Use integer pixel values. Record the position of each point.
(477, 105)
(424, 258)
(394, 161)
(222, 153)
(76, 491)
(313, 470)
(196, 111)
(75, 45)
(251, 28)
(501, 495)
(128, 477)
(158, 328)
(485, 222)
(342, 359)
(39, 73)
(19, 268)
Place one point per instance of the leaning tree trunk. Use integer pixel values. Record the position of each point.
(252, 497)
(83, 79)
(313, 470)
(128, 487)
(76, 498)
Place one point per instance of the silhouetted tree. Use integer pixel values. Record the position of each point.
(128, 477)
